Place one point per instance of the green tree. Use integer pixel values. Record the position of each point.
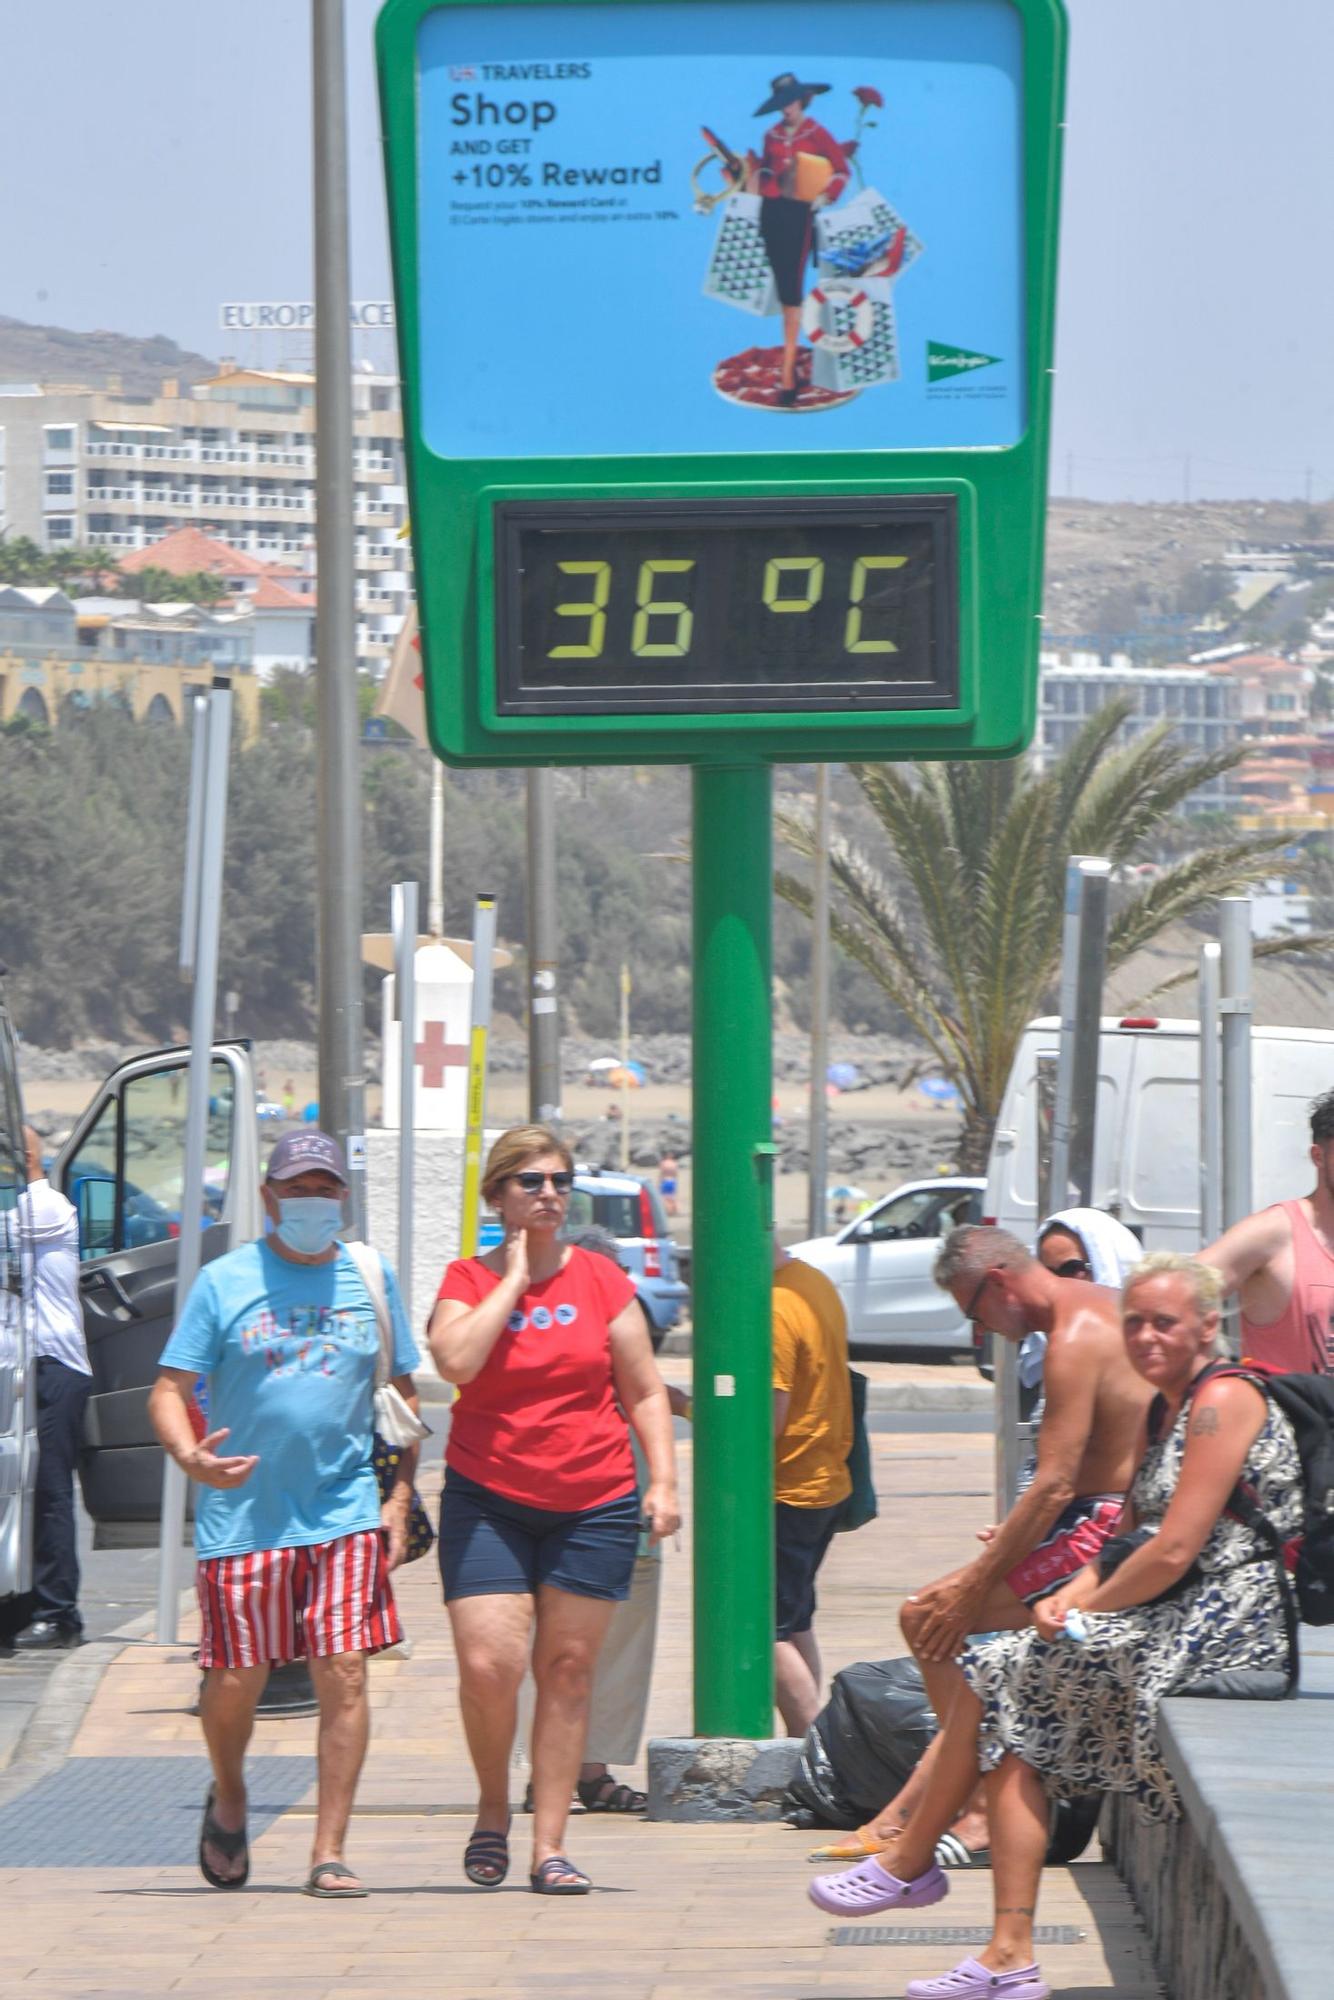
(960, 920)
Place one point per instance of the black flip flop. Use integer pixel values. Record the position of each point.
(559, 1877)
(311, 1885)
(228, 1844)
(486, 1859)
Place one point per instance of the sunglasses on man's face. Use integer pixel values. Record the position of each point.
(970, 1310)
(533, 1183)
(1073, 1267)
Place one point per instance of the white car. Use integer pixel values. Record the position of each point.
(882, 1265)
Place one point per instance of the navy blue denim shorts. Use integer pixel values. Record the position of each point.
(801, 1541)
(493, 1547)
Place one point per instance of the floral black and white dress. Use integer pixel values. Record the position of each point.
(1085, 1714)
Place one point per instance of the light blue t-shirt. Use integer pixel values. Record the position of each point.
(290, 1352)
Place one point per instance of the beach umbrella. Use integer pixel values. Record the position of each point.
(845, 1192)
(939, 1089)
(843, 1075)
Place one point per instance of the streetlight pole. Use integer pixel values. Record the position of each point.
(543, 1000)
(817, 1207)
(342, 1083)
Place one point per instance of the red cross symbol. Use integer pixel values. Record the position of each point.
(435, 1055)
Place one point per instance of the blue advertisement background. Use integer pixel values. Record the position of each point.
(585, 336)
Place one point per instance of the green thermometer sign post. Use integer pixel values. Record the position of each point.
(726, 336)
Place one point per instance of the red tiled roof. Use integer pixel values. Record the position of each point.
(186, 550)
(274, 596)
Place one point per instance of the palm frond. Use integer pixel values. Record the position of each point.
(1318, 948)
(1199, 878)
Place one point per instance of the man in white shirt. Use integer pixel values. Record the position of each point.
(48, 1618)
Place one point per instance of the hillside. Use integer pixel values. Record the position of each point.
(1146, 555)
(55, 354)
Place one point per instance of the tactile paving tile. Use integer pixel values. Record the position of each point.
(943, 1934)
(134, 1812)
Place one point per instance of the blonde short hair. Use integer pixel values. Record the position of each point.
(513, 1150)
(1206, 1283)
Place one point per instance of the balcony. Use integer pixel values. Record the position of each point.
(299, 458)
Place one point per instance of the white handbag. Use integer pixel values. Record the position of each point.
(395, 1419)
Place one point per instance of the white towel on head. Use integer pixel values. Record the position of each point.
(1112, 1251)
(1111, 1248)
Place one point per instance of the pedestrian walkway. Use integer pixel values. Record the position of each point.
(102, 1896)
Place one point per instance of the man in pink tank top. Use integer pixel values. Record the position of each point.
(1281, 1265)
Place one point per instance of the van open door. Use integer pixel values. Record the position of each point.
(18, 1377)
(123, 1168)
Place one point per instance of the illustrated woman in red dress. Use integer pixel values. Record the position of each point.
(793, 184)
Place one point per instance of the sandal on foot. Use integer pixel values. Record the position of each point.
(951, 1853)
(973, 1981)
(607, 1795)
(861, 1892)
(227, 1843)
(486, 1859)
(559, 1877)
(311, 1885)
(853, 1847)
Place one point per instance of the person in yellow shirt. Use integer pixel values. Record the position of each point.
(812, 1439)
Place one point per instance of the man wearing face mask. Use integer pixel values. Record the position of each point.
(294, 1547)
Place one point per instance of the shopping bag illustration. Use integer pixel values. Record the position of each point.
(739, 272)
(864, 236)
(851, 328)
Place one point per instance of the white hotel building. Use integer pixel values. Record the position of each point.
(234, 456)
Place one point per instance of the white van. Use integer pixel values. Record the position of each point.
(1146, 1155)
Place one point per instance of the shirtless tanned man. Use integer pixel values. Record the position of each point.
(1281, 1265)
(1086, 1453)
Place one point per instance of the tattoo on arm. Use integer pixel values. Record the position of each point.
(1206, 1423)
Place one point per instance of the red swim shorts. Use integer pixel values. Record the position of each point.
(1075, 1538)
(278, 1605)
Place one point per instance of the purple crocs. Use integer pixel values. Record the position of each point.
(972, 1981)
(861, 1891)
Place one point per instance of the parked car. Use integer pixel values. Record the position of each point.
(631, 1210)
(882, 1265)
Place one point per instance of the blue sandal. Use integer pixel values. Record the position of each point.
(559, 1877)
(486, 1859)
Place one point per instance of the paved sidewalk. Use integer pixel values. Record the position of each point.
(102, 1897)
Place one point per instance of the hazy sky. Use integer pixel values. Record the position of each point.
(156, 162)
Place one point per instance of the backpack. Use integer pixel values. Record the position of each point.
(1307, 1401)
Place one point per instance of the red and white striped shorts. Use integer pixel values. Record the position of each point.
(291, 1604)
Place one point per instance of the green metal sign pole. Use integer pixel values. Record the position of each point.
(732, 1209)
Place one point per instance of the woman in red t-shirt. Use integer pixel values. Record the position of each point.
(540, 1518)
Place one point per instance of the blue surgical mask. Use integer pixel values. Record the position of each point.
(309, 1223)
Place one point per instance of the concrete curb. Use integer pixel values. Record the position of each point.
(719, 1778)
(934, 1397)
(63, 1703)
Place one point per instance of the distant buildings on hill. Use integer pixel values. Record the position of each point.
(1260, 699)
(231, 460)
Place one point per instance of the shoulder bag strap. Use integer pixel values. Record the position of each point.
(370, 1266)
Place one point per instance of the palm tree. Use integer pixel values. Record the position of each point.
(962, 928)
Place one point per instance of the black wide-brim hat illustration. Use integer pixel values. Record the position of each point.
(785, 90)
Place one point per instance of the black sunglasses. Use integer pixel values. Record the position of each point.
(970, 1310)
(533, 1183)
(1073, 1267)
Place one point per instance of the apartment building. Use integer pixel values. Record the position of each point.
(1204, 707)
(233, 456)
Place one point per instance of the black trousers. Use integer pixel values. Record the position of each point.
(61, 1395)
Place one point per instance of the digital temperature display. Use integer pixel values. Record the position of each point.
(749, 605)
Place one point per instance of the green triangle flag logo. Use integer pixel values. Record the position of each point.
(942, 361)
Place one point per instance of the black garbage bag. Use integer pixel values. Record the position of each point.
(863, 1745)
